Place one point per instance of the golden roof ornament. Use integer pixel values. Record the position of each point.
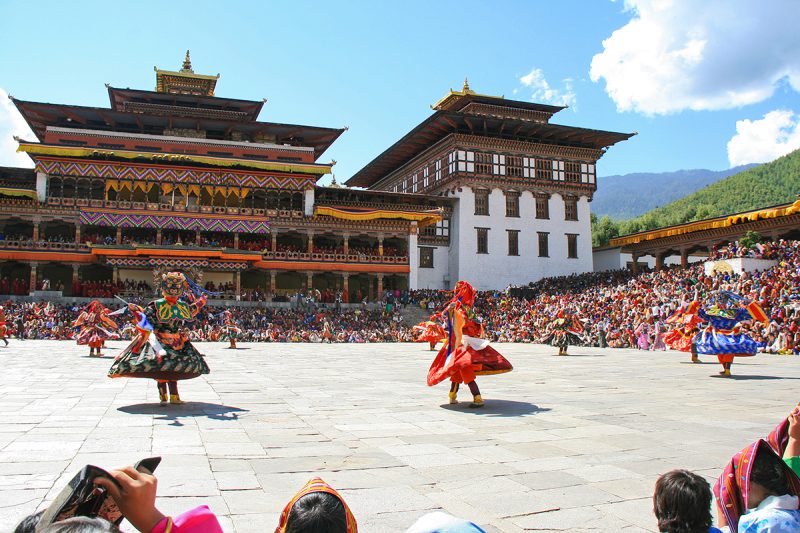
(187, 63)
(466, 84)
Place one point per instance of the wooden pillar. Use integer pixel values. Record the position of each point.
(346, 244)
(309, 280)
(237, 277)
(684, 258)
(274, 241)
(380, 248)
(380, 286)
(32, 282)
(77, 233)
(370, 290)
(659, 261)
(35, 231)
(158, 236)
(119, 235)
(115, 274)
(635, 266)
(346, 286)
(197, 237)
(272, 275)
(75, 268)
(310, 242)
(236, 241)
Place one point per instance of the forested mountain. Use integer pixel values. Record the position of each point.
(626, 196)
(762, 186)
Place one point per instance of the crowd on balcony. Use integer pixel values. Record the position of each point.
(767, 250)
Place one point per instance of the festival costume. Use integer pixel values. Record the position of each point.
(722, 336)
(231, 329)
(658, 336)
(161, 349)
(464, 354)
(682, 338)
(3, 327)
(733, 486)
(316, 485)
(94, 327)
(197, 520)
(430, 331)
(566, 330)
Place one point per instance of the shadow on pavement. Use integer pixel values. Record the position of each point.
(186, 410)
(736, 377)
(501, 408)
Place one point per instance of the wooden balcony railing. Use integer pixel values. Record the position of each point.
(336, 258)
(23, 244)
(155, 206)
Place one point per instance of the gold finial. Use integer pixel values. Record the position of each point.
(187, 63)
(466, 84)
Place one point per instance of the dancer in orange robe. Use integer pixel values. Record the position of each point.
(430, 331)
(465, 354)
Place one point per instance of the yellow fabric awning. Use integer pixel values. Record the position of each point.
(160, 157)
(702, 225)
(26, 193)
(424, 218)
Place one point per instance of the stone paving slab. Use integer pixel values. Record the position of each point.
(563, 443)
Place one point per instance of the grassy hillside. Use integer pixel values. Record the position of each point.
(768, 184)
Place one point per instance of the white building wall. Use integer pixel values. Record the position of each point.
(497, 269)
(437, 277)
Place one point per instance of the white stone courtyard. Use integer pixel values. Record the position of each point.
(564, 443)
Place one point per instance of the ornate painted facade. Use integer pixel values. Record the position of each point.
(181, 178)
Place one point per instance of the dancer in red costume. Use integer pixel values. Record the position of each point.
(465, 355)
(686, 325)
(430, 331)
(95, 327)
(3, 327)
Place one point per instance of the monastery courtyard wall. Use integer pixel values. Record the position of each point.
(572, 443)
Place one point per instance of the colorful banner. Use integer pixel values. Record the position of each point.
(132, 172)
(141, 262)
(189, 222)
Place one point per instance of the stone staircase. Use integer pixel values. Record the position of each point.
(413, 314)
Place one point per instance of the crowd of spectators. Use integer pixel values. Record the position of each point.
(619, 309)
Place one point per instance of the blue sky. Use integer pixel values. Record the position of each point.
(707, 85)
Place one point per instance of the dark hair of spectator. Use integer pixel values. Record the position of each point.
(317, 512)
(682, 503)
(769, 472)
(28, 524)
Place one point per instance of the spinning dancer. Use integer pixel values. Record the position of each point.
(161, 349)
(94, 327)
(464, 354)
(231, 328)
(431, 331)
(682, 338)
(3, 327)
(565, 330)
(722, 336)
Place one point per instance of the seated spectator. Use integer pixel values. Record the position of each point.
(758, 491)
(135, 495)
(682, 503)
(317, 508)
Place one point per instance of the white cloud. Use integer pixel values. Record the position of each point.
(12, 123)
(760, 141)
(543, 93)
(712, 54)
